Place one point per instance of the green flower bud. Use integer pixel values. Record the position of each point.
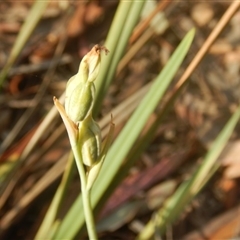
(79, 99)
(80, 90)
(89, 141)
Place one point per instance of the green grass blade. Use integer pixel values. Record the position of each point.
(120, 39)
(30, 23)
(189, 189)
(111, 43)
(131, 131)
(74, 220)
(50, 217)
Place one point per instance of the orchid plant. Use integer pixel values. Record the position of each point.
(83, 131)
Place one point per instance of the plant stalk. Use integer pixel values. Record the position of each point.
(92, 234)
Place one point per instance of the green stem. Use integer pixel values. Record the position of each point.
(92, 234)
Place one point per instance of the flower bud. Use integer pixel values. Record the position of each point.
(89, 141)
(80, 90)
(79, 101)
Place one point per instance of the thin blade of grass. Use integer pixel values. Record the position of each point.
(29, 25)
(50, 216)
(190, 188)
(111, 43)
(120, 40)
(125, 140)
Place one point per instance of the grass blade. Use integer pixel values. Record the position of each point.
(120, 39)
(29, 25)
(190, 188)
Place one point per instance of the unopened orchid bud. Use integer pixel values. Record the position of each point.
(80, 90)
(79, 103)
(89, 141)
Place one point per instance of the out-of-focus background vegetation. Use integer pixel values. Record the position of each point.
(41, 45)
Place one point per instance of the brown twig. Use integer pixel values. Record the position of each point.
(207, 44)
(144, 24)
